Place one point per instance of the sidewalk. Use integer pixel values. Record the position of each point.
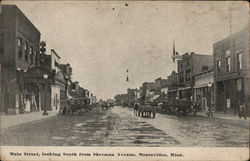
(13, 120)
(222, 115)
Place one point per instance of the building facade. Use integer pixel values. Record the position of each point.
(19, 51)
(145, 93)
(190, 65)
(203, 90)
(172, 85)
(231, 64)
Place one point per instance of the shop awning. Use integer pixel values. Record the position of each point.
(201, 85)
(172, 90)
(37, 75)
(184, 88)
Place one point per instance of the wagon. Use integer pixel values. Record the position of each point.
(182, 106)
(146, 110)
(77, 105)
(177, 106)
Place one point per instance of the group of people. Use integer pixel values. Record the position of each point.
(242, 110)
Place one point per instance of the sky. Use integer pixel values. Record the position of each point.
(102, 39)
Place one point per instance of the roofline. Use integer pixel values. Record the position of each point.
(23, 15)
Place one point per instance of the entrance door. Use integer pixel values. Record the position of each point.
(56, 101)
(204, 104)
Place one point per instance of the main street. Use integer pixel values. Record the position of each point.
(119, 127)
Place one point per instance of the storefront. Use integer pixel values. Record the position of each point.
(37, 83)
(230, 93)
(185, 92)
(203, 90)
(172, 94)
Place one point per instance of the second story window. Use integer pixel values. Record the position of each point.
(26, 52)
(219, 65)
(1, 43)
(31, 55)
(188, 75)
(20, 47)
(228, 64)
(36, 58)
(239, 61)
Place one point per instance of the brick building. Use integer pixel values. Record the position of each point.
(190, 65)
(19, 51)
(231, 64)
(172, 85)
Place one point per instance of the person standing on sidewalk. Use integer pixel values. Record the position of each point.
(242, 110)
(27, 105)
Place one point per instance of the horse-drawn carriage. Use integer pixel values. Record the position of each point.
(144, 110)
(77, 105)
(177, 106)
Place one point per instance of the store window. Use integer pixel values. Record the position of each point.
(239, 84)
(188, 75)
(239, 61)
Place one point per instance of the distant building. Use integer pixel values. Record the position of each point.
(19, 51)
(157, 92)
(172, 85)
(117, 99)
(124, 100)
(131, 97)
(145, 93)
(231, 64)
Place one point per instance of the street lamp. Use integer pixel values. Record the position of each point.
(209, 96)
(45, 76)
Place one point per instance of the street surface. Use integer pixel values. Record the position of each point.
(119, 127)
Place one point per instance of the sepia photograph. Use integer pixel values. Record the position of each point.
(124, 80)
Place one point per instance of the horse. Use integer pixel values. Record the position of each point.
(136, 109)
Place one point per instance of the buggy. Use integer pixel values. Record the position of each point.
(77, 105)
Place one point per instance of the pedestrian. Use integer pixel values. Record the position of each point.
(27, 105)
(242, 110)
(194, 107)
